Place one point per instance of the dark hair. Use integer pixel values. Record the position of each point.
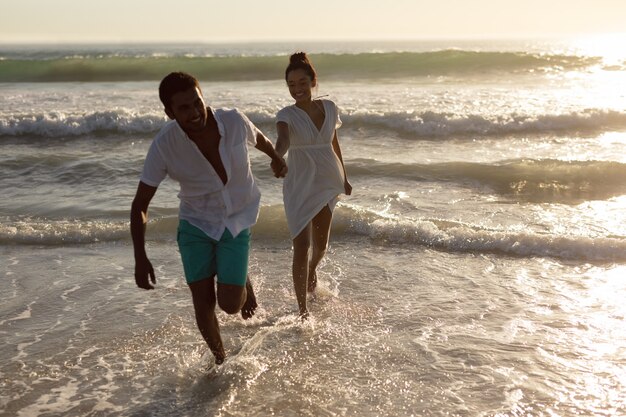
(300, 61)
(175, 82)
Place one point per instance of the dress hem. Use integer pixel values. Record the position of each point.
(327, 203)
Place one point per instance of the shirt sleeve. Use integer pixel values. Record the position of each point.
(251, 130)
(282, 116)
(154, 167)
(338, 121)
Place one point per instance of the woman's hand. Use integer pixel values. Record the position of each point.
(347, 187)
(279, 167)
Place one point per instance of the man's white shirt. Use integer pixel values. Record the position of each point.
(205, 201)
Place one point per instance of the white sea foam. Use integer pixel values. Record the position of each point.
(445, 235)
(26, 314)
(423, 124)
(461, 237)
(60, 232)
(56, 124)
(437, 124)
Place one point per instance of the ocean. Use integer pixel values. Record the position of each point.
(478, 269)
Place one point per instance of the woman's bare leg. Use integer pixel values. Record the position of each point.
(320, 233)
(300, 267)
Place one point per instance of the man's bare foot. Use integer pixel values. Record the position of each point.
(219, 355)
(249, 307)
(304, 315)
(312, 282)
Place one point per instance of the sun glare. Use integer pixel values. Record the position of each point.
(610, 47)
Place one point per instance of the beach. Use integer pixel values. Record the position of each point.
(477, 269)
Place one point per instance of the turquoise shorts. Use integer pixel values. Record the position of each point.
(204, 257)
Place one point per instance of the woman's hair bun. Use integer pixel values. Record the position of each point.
(300, 61)
(299, 57)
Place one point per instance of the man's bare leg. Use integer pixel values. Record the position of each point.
(233, 299)
(320, 233)
(204, 300)
(249, 306)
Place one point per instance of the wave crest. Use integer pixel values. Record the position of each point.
(430, 124)
(234, 68)
(348, 221)
(531, 180)
(424, 125)
(56, 124)
(460, 237)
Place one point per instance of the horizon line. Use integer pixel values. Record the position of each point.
(485, 37)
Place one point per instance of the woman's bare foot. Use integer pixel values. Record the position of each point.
(249, 307)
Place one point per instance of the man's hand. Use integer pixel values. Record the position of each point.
(279, 167)
(143, 270)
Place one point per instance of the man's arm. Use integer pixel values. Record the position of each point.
(279, 167)
(138, 220)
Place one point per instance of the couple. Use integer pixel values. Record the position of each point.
(205, 150)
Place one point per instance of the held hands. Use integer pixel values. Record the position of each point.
(279, 167)
(143, 270)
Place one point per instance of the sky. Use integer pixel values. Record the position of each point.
(250, 20)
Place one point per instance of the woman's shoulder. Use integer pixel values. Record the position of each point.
(284, 114)
(328, 103)
(288, 108)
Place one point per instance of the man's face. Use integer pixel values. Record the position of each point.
(188, 109)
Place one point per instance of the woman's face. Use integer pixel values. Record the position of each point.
(300, 85)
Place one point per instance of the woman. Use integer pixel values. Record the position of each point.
(316, 173)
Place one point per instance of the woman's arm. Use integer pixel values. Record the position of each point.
(282, 143)
(337, 149)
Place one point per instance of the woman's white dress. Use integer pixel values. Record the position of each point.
(315, 175)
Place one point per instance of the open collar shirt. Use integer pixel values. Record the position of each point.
(205, 201)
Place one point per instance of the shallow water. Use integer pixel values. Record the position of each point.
(476, 271)
(395, 331)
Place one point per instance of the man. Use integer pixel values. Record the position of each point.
(205, 151)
